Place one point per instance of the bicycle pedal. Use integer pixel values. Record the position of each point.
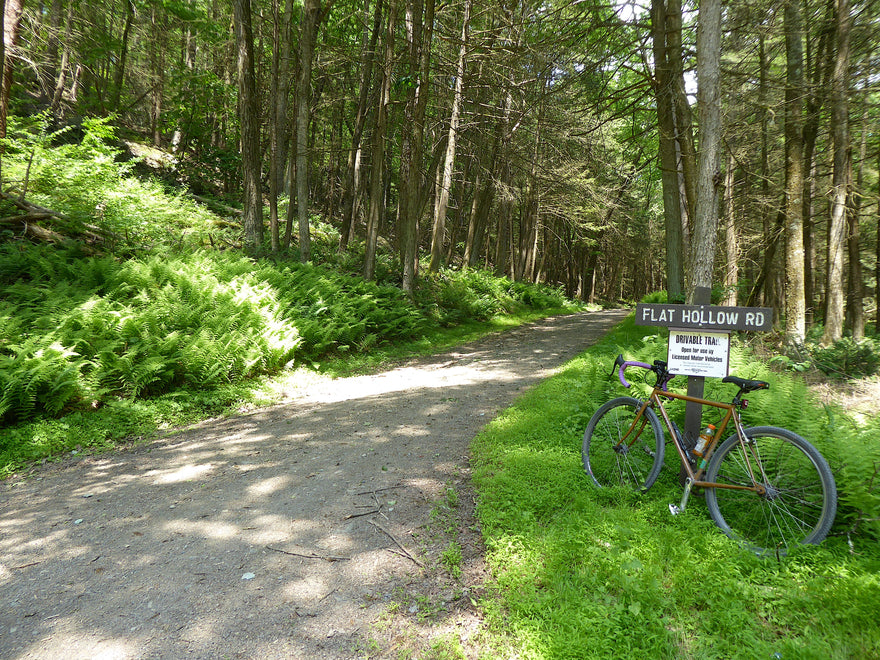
(674, 509)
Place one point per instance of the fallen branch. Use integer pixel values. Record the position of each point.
(33, 214)
(25, 217)
(358, 515)
(399, 544)
(43, 234)
(308, 556)
(31, 208)
(229, 210)
(379, 490)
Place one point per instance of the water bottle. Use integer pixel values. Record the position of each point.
(705, 438)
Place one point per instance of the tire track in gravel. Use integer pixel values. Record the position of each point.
(296, 531)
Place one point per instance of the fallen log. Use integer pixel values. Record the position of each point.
(67, 229)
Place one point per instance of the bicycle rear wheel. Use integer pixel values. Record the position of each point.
(610, 461)
(800, 501)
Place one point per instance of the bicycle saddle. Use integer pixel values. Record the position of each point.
(746, 385)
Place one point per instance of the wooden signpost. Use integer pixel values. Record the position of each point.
(699, 342)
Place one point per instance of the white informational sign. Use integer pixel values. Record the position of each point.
(699, 353)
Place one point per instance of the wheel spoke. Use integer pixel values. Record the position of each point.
(798, 502)
(612, 461)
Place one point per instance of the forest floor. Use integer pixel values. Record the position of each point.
(338, 524)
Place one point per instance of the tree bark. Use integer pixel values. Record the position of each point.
(157, 66)
(709, 178)
(377, 159)
(795, 305)
(119, 73)
(834, 298)
(820, 66)
(855, 305)
(683, 115)
(250, 126)
(274, 238)
(11, 22)
(438, 231)
(287, 58)
(308, 36)
(731, 244)
(414, 183)
(12, 10)
(350, 200)
(877, 252)
(669, 171)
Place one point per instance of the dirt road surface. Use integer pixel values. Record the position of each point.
(337, 525)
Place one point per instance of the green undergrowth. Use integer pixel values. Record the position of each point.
(142, 317)
(96, 350)
(581, 573)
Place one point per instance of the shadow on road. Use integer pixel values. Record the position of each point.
(286, 533)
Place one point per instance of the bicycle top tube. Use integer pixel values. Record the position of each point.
(664, 376)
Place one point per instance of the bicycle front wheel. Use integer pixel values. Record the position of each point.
(799, 499)
(612, 461)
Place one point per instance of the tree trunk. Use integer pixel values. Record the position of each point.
(820, 68)
(669, 172)
(308, 36)
(49, 72)
(708, 178)
(287, 60)
(414, 183)
(765, 293)
(61, 78)
(683, 115)
(795, 306)
(250, 126)
(834, 298)
(877, 253)
(11, 22)
(438, 232)
(855, 291)
(119, 73)
(350, 199)
(12, 11)
(275, 75)
(377, 160)
(157, 66)
(279, 133)
(731, 245)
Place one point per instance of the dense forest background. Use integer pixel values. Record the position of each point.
(552, 141)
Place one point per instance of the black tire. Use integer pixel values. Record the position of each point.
(801, 498)
(610, 463)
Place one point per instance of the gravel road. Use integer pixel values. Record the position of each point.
(312, 529)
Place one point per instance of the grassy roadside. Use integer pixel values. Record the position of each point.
(584, 574)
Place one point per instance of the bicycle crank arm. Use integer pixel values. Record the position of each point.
(675, 509)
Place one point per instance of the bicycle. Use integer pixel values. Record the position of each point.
(765, 486)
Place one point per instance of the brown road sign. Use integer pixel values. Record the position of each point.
(705, 317)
